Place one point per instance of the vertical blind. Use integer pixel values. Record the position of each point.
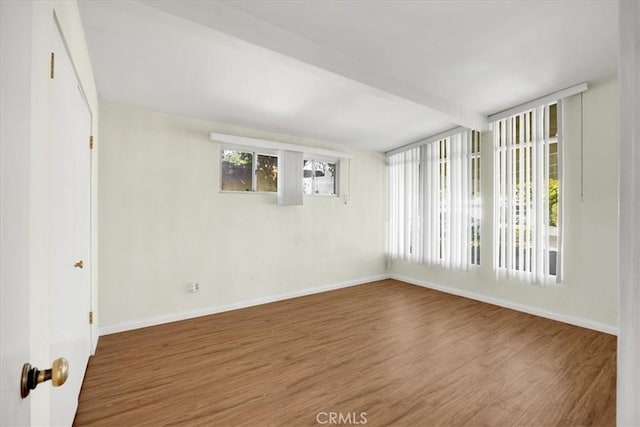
(526, 224)
(452, 201)
(404, 205)
(290, 186)
(434, 206)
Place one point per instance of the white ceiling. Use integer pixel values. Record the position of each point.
(375, 74)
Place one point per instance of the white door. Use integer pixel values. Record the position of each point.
(15, 89)
(70, 231)
(67, 216)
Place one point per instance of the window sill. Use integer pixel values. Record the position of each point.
(322, 195)
(247, 192)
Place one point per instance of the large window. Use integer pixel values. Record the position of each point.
(434, 202)
(248, 171)
(527, 194)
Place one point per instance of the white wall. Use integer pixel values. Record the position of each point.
(588, 293)
(164, 223)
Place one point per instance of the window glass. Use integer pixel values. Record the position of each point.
(319, 177)
(267, 173)
(237, 170)
(325, 176)
(307, 177)
(475, 199)
(553, 188)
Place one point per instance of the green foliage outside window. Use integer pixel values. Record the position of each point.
(237, 158)
(553, 202)
(238, 171)
(267, 173)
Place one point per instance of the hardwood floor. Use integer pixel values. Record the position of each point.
(403, 355)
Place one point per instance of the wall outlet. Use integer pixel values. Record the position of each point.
(193, 287)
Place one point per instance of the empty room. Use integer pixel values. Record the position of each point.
(308, 213)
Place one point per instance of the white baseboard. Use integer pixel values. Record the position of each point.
(190, 314)
(584, 323)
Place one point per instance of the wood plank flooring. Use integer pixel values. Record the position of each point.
(402, 354)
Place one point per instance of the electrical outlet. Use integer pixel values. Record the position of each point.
(193, 287)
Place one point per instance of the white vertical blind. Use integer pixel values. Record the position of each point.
(290, 186)
(431, 179)
(344, 177)
(522, 204)
(404, 205)
(434, 202)
(450, 182)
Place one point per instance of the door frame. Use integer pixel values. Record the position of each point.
(93, 330)
(70, 120)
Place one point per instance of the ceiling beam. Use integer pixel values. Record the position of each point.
(224, 17)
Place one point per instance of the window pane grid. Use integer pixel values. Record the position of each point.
(248, 171)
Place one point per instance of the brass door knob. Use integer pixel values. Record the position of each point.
(32, 376)
(79, 264)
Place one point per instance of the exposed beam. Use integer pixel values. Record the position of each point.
(224, 17)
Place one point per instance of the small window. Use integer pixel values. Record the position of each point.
(248, 171)
(267, 173)
(320, 177)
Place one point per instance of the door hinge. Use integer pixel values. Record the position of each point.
(52, 65)
(91, 142)
(91, 317)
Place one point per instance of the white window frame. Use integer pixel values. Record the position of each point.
(336, 178)
(254, 165)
